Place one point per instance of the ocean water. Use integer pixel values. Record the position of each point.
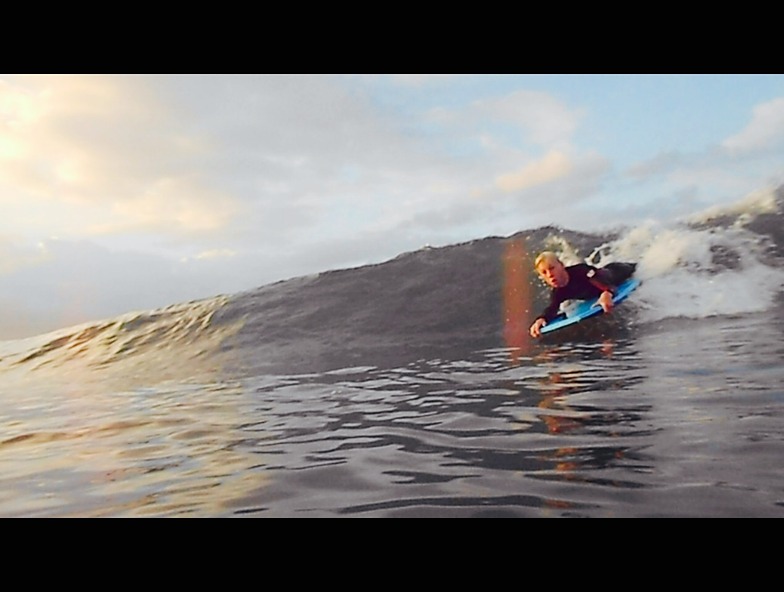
(412, 389)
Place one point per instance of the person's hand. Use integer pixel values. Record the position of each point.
(606, 301)
(536, 328)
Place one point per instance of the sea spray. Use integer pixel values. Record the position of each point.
(707, 265)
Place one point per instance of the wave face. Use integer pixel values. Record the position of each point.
(434, 303)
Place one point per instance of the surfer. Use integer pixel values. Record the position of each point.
(577, 282)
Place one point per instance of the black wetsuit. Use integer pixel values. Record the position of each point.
(580, 286)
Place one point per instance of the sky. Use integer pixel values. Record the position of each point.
(132, 192)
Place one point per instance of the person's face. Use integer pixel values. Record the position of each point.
(553, 273)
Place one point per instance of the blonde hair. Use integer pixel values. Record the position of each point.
(548, 256)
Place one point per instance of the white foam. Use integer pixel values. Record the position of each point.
(697, 273)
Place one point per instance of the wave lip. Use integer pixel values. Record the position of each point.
(160, 341)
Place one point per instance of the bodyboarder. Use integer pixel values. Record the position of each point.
(577, 282)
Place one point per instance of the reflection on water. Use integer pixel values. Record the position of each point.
(151, 452)
(614, 427)
(434, 436)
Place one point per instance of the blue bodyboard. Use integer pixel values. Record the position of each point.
(589, 308)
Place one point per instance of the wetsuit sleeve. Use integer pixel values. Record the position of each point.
(549, 313)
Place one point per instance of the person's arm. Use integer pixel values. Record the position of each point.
(606, 301)
(536, 327)
(548, 314)
(607, 288)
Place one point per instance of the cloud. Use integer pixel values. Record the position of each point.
(106, 148)
(658, 165)
(217, 254)
(63, 282)
(259, 159)
(16, 255)
(765, 129)
(172, 205)
(553, 165)
(541, 118)
(520, 143)
(83, 138)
